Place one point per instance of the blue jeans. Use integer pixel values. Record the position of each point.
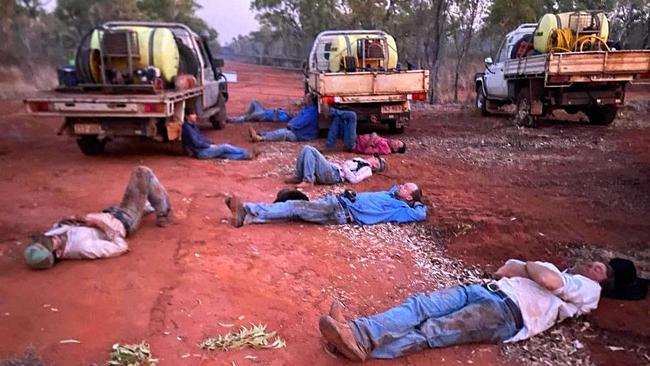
(311, 166)
(255, 112)
(224, 151)
(325, 211)
(457, 315)
(281, 134)
(344, 123)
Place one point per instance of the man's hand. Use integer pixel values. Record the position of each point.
(512, 268)
(544, 277)
(93, 221)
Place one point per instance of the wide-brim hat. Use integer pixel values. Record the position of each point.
(288, 194)
(39, 256)
(627, 285)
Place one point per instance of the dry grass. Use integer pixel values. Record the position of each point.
(16, 82)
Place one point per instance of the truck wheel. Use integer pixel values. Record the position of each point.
(481, 102)
(602, 115)
(91, 145)
(522, 114)
(218, 119)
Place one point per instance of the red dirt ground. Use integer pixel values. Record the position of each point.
(528, 193)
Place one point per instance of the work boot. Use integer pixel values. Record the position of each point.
(237, 209)
(255, 152)
(293, 180)
(339, 334)
(336, 311)
(305, 184)
(253, 135)
(166, 219)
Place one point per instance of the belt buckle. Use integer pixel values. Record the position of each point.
(493, 287)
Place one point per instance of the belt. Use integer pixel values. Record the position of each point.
(493, 287)
(120, 216)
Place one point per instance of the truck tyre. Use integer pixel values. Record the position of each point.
(481, 101)
(522, 113)
(91, 145)
(218, 119)
(602, 115)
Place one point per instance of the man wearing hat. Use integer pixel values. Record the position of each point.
(312, 167)
(625, 284)
(102, 235)
(525, 299)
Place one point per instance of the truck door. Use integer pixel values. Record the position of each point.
(495, 84)
(211, 91)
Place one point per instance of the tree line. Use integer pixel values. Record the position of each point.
(432, 34)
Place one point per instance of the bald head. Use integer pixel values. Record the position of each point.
(409, 192)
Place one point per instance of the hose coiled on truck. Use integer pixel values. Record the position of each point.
(564, 40)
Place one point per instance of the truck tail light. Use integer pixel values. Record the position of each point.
(557, 79)
(39, 106)
(154, 108)
(421, 97)
(328, 100)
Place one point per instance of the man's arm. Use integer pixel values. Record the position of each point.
(357, 177)
(544, 276)
(512, 268)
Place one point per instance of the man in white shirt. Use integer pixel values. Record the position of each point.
(527, 299)
(102, 235)
(312, 167)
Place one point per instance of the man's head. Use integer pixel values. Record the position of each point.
(597, 271)
(397, 146)
(192, 117)
(409, 192)
(377, 163)
(40, 253)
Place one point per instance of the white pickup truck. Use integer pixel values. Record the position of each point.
(357, 70)
(592, 82)
(97, 106)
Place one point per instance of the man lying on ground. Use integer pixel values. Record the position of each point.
(102, 235)
(312, 167)
(400, 204)
(257, 113)
(527, 299)
(344, 125)
(302, 127)
(370, 144)
(198, 146)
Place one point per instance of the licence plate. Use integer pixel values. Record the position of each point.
(87, 128)
(386, 109)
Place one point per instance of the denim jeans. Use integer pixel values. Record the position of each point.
(311, 166)
(462, 314)
(344, 123)
(224, 151)
(325, 211)
(255, 112)
(143, 187)
(281, 134)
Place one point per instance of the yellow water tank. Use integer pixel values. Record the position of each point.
(156, 47)
(347, 45)
(583, 22)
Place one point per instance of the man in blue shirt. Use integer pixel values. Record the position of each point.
(198, 146)
(302, 127)
(400, 204)
(256, 112)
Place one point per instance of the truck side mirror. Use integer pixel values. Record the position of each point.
(217, 62)
(488, 61)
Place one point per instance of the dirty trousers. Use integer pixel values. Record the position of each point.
(326, 211)
(281, 134)
(224, 151)
(457, 315)
(255, 112)
(143, 186)
(311, 166)
(344, 124)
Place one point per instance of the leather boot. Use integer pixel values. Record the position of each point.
(340, 336)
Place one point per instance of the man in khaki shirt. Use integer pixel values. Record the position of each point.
(102, 235)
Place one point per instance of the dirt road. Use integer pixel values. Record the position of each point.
(495, 192)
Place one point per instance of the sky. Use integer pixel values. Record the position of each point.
(229, 17)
